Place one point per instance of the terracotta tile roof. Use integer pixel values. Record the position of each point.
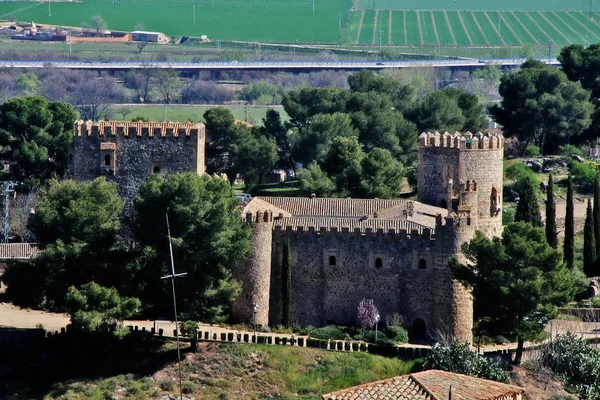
(332, 207)
(351, 223)
(430, 385)
(15, 251)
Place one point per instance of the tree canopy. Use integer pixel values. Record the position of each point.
(517, 280)
(540, 105)
(35, 136)
(209, 239)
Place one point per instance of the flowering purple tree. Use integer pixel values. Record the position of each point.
(367, 314)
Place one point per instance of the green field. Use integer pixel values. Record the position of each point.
(505, 5)
(184, 113)
(257, 20)
(404, 24)
(475, 28)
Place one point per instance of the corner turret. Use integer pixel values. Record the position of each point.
(256, 274)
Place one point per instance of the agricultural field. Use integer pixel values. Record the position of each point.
(481, 28)
(438, 27)
(287, 21)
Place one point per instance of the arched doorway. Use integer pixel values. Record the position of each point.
(418, 331)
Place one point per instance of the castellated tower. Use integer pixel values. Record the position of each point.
(462, 173)
(256, 274)
(129, 152)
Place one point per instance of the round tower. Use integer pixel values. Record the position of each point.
(462, 173)
(448, 161)
(255, 275)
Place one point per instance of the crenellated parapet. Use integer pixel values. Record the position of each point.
(411, 232)
(136, 129)
(259, 217)
(458, 140)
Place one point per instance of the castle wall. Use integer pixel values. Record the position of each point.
(135, 151)
(325, 294)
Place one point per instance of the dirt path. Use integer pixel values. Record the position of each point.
(362, 17)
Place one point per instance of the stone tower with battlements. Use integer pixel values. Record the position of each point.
(462, 173)
(256, 274)
(129, 152)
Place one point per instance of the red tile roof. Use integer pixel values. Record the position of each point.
(430, 385)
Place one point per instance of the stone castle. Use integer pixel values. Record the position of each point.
(343, 250)
(392, 251)
(129, 152)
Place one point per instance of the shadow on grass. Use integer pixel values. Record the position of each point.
(35, 370)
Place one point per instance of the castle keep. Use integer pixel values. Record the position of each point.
(393, 251)
(129, 152)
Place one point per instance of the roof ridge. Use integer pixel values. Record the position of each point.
(413, 376)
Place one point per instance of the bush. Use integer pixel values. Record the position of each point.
(187, 388)
(508, 216)
(577, 363)
(397, 334)
(569, 150)
(167, 385)
(518, 172)
(457, 357)
(583, 176)
(328, 332)
(532, 151)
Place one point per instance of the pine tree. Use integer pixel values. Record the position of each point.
(589, 241)
(286, 285)
(551, 237)
(597, 211)
(569, 243)
(528, 209)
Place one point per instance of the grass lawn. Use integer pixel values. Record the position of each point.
(184, 113)
(226, 371)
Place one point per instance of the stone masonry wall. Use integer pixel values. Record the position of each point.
(256, 274)
(324, 294)
(136, 155)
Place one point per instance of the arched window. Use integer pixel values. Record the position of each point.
(378, 262)
(443, 204)
(422, 264)
(107, 160)
(156, 169)
(494, 202)
(332, 260)
(419, 330)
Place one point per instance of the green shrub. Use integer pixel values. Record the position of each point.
(397, 334)
(306, 331)
(187, 387)
(569, 150)
(577, 363)
(328, 332)
(508, 216)
(166, 385)
(458, 358)
(583, 176)
(532, 151)
(518, 172)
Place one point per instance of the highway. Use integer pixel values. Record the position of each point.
(267, 65)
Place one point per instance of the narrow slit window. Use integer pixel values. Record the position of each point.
(107, 160)
(332, 260)
(378, 262)
(422, 264)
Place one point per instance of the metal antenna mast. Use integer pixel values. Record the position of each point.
(7, 189)
(172, 277)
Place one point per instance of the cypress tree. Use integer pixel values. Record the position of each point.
(528, 209)
(551, 215)
(286, 285)
(589, 241)
(597, 211)
(569, 243)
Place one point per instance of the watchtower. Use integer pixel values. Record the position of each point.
(463, 173)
